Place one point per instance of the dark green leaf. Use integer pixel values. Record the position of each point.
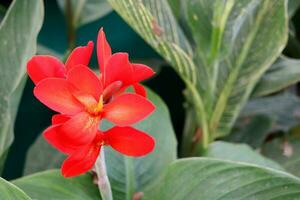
(285, 152)
(283, 109)
(251, 130)
(293, 7)
(86, 11)
(284, 72)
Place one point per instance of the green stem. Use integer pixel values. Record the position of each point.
(103, 181)
(129, 178)
(71, 29)
(200, 115)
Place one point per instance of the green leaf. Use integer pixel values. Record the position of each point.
(51, 185)
(42, 156)
(9, 191)
(212, 179)
(285, 152)
(127, 175)
(240, 153)
(18, 33)
(293, 7)
(130, 175)
(283, 109)
(252, 130)
(284, 72)
(86, 11)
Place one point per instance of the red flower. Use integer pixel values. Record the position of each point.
(126, 140)
(83, 99)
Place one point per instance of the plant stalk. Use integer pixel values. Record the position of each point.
(103, 181)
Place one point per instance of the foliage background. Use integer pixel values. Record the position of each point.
(33, 117)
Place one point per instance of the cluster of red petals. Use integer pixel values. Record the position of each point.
(83, 98)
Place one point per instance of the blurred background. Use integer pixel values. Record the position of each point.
(33, 117)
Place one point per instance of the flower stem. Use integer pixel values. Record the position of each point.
(103, 181)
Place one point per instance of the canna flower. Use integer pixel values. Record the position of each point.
(83, 99)
(130, 74)
(126, 140)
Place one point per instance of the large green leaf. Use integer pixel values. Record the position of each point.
(9, 191)
(127, 175)
(212, 179)
(51, 185)
(85, 11)
(240, 153)
(284, 72)
(18, 33)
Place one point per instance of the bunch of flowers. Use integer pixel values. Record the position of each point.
(83, 99)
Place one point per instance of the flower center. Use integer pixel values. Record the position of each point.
(96, 109)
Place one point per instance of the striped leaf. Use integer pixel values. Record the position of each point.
(237, 41)
(154, 21)
(231, 45)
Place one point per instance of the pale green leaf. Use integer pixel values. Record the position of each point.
(240, 153)
(51, 185)
(18, 33)
(9, 191)
(212, 179)
(284, 72)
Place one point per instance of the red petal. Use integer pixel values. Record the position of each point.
(118, 68)
(53, 137)
(56, 94)
(59, 119)
(141, 72)
(85, 80)
(103, 50)
(80, 130)
(111, 89)
(139, 89)
(80, 55)
(127, 109)
(41, 67)
(129, 141)
(81, 161)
